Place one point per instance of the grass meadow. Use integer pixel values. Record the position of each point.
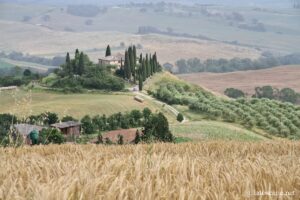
(24, 103)
(213, 130)
(204, 170)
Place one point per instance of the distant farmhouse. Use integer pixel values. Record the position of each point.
(116, 60)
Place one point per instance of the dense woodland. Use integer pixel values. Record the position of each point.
(236, 64)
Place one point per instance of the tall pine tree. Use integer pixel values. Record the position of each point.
(108, 51)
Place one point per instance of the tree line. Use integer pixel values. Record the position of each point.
(194, 65)
(269, 92)
(22, 77)
(154, 126)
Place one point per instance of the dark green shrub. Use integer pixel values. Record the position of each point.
(180, 117)
(51, 136)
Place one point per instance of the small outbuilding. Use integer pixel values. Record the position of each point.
(23, 131)
(70, 128)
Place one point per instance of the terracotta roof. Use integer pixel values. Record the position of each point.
(65, 124)
(128, 135)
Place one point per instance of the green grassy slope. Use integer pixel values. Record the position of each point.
(260, 115)
(212, 130)
(12, 63)
(24, 103)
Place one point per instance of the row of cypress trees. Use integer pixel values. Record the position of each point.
(139, 69)
(76, 65)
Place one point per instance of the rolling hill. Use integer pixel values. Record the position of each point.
(279, 77)
(41, 41)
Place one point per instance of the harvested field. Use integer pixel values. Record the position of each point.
(128, 135)
(208, 170)
(279, 77)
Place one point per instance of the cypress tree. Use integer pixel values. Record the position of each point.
(127, 66)
(76, 62)
(151, 65)
(122, 69)
(81, 64)
(140, 80)
(108, 51)
(134, 63)
(77, 54)
(131, 61)
(134, 55)
(154, 65)
(68, 67)
(147, 66)
(144, 70)
(141, 58)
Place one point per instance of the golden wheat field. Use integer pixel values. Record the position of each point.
(204, 170)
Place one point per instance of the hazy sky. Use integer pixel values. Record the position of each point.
(109, 2)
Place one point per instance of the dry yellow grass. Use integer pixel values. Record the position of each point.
(211, 170)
